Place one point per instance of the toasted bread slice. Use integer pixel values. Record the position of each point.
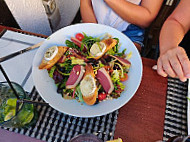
(91, 99)
(88, 86)
(109, 43)
(45, 64)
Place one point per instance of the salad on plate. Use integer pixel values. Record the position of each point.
(88, 69)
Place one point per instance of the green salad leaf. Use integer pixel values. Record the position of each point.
(79, 94)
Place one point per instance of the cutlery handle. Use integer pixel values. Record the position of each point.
(20, 52)
(33, 46)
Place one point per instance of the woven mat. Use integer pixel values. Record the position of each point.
(54, 126)
(175, 123)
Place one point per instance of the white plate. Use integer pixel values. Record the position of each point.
(47, 89)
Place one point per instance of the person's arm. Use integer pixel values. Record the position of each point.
(141, 15)
(87, 12)
(173, 60)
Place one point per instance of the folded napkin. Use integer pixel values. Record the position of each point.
(18, 68)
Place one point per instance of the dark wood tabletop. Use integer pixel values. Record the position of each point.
(140, 120)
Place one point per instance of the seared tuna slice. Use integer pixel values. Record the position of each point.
(79, 43)
(77, 54)
(124, 62)
(105, 80)
(75, 76)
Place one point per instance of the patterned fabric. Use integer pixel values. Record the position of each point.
(176, 109)
(54, 126)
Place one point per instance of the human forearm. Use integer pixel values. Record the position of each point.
(171, 35)
(86, 11)
(175, 27)
(141, 15)
(173, 60)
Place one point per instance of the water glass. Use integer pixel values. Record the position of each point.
(12, 113)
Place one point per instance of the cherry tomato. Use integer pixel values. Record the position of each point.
(79, 36)
(102, 96)
(124, 78)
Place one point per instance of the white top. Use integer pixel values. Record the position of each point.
(105, 15)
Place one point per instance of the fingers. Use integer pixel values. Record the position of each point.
(185, 63)
(160, 70)
(168, 68)
(174, 63)
(164, 67)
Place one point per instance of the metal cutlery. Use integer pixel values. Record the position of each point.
(2, 59)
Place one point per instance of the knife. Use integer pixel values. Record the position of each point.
(20, 52)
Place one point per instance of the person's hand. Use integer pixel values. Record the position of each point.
(175, 63)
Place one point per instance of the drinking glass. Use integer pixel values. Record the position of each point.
(12, 113)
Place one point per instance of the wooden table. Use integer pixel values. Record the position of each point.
(140, 120)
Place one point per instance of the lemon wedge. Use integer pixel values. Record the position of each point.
(10, 108)
(9, 115)
(11, 102)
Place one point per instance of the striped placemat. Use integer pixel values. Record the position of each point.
(175, 123)
(54, 126)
